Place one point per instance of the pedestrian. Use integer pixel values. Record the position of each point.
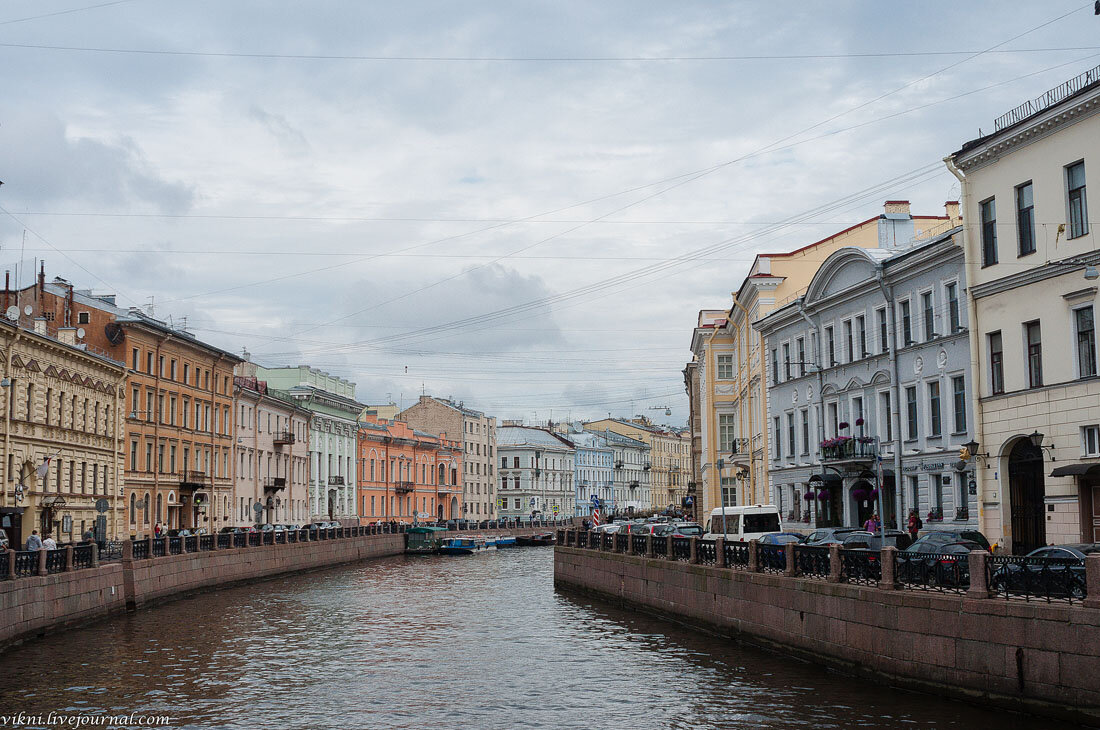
(48, 543)
(89, 537)
(34, 542)
(914, 525)
(871, 525)
(156, 530)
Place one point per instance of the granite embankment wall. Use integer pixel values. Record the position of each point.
(34, 605)
(1035, 657)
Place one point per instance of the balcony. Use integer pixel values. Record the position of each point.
(404, 487)
(448, 489)
(192, 479)
(284, 438)
(848, 449)
(634, 484)
(274, 484)
(618, 465)
(336, 481)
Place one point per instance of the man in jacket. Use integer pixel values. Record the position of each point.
(34, 542)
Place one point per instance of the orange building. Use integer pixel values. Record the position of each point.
(406, 475)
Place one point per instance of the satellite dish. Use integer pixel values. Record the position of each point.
(13, 312)
(28, 310)
(115, 333)
(80, 333)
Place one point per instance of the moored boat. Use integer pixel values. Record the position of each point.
(460, 545)
(424, 540)
(505, 541)
(540, 538)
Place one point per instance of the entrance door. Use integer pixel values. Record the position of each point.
(864, 505)
(1026, 490)
(1095, 512)
(12, 524)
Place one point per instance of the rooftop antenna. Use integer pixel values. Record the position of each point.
(151, 306)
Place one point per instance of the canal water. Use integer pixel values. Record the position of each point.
(479, 641)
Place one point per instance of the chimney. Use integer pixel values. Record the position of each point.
(42, 278)
(898, 207)
(952, 208)
(67, 335)
(40, 325)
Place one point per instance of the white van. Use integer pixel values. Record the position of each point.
(743, 523)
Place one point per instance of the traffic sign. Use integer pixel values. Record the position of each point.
(102, 505)
(532, 501)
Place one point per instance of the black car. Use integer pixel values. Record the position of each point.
(1057, 571)
(936, 564)
(947, 537)
(873, 540)
(829, 535)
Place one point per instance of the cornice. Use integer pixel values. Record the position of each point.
(1035, 275)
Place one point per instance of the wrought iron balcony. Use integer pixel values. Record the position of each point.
(284, 438)
(634, 484)
(403, 487)
(274, 484)
(192, 478)
(846, 448)
(336, 481)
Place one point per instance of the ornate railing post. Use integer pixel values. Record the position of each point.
(95, 555)
(720, 552)
(127, 549)
(754, 565)
(789, 554)
(979, 586)
(1092, 581)
(888, 558)
(68, 558)
(836, 568)
(649, 545)
(693, 550)
(42, 554)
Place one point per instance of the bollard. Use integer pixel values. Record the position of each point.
(10, 557)
(95, 555)
(68, 558)
(979, 586)
(693, 551)
(789, 571)
(754, 563)
(649, 545)
(1092, 581)
(720, 552)
(149, 547)
(127, 550)
(668, 548)
(42, 560)
(888, 558)
(836, 568)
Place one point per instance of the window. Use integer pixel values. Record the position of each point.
(834, 420)
(801, 356)
(149, 363)
(989, 232)
(787, 360)
(172, 370)
(861, 333)
(1025, 219)
(775, 365)
(830, 344)
(790, 436)
(727, 432)
(83, 317)
(135, 359)
(934, 424)
(1090, 440)
(929, 315)
(849, 344)
(937, 493)
(778, 443)
(1034, 354)
(953, 322)
(906, 324)
(958, 395)
(996, 363)
(911, 412)
(805, 431)
(1078, 214)
(729, 496)
(1086, 342)
(725, 367)
(883, 336)
(887, 420)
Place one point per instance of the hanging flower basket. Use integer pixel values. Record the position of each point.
(823, 495)
(808, 496)
(873, 494)
(859, 494)
(859, 421)
(843, 426)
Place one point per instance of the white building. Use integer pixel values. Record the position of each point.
(536, 473)
(594, 472)
(1031, 257)
(631, 492)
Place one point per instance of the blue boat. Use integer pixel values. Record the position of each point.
(458, 546)
(506, 541)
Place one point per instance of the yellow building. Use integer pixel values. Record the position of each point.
(731, 363)
(669, 453)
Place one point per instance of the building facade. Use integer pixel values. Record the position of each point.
(537, 469)
(62, 444)
(731, 361)
(629, 475)
(594, 473)
(333, 437)
(887, 375)
(479, 437)
(272, 454)
(407, 475)
(1031, 260)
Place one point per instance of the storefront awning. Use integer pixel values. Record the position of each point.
(1074, 470)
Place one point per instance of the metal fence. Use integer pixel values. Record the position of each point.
(812, 561)
(110, 551)
(83, 556)
(681, 548)
(944, 572)
(191, 543)
(1041, 579)
(160, 547)
(660, 546)
(639, 545)
(175, 545)
(622, 542)
(706, 551)
(141, 549)
(737, 555)
(55, 561)
(771, 558)
(860, 566)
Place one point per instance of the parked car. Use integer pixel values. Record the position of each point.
(782, 538)
(947, 537)
(873, 540)
(936, 564)
(686, 529)
(182, 532)
(829, 535)
(1061, 573)
(657, 529)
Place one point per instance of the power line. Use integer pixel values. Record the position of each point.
(64, 12)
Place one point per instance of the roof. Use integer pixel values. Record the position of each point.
(619, 439)
(529, 436)
(460, 407)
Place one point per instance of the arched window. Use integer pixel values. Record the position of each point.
(145, 509)
(160, 507)
(442, 474)
(133, 506)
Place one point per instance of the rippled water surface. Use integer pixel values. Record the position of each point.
(479, 641)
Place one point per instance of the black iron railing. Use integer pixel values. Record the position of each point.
(737, 555)
(141, 549)
(607, 542)
(206, 542)
(191, 543)
(706, 551)
(280, 537)
(639, 545)
(254, 539)
(111, 550)
(1041, 579)
(4, 567)
(240, 539)
(55, 561)
(26, 563)
(83, 556)
(860, 566)
(811, 561)
(622, 543)
(771, 558)
(944, 572)
(681, 548)
(660, 546)
(175, 545)
(267, 538)
(160, 547)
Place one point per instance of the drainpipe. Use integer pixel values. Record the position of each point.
(895, 405)
(820, 372)
(975, 363)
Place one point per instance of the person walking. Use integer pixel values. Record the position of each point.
(156, 530)
(48, 543)
(34, 542)
(914, 525)
(871, 525)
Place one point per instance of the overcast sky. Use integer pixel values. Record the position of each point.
(355, 185)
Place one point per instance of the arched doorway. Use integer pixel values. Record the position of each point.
(1026, 492)
(864, 503)
(454, 508)
(440, 512)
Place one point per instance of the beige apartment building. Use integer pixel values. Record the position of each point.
(479, 444)
(1031, 249)
(731, 363)
(272, 459)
